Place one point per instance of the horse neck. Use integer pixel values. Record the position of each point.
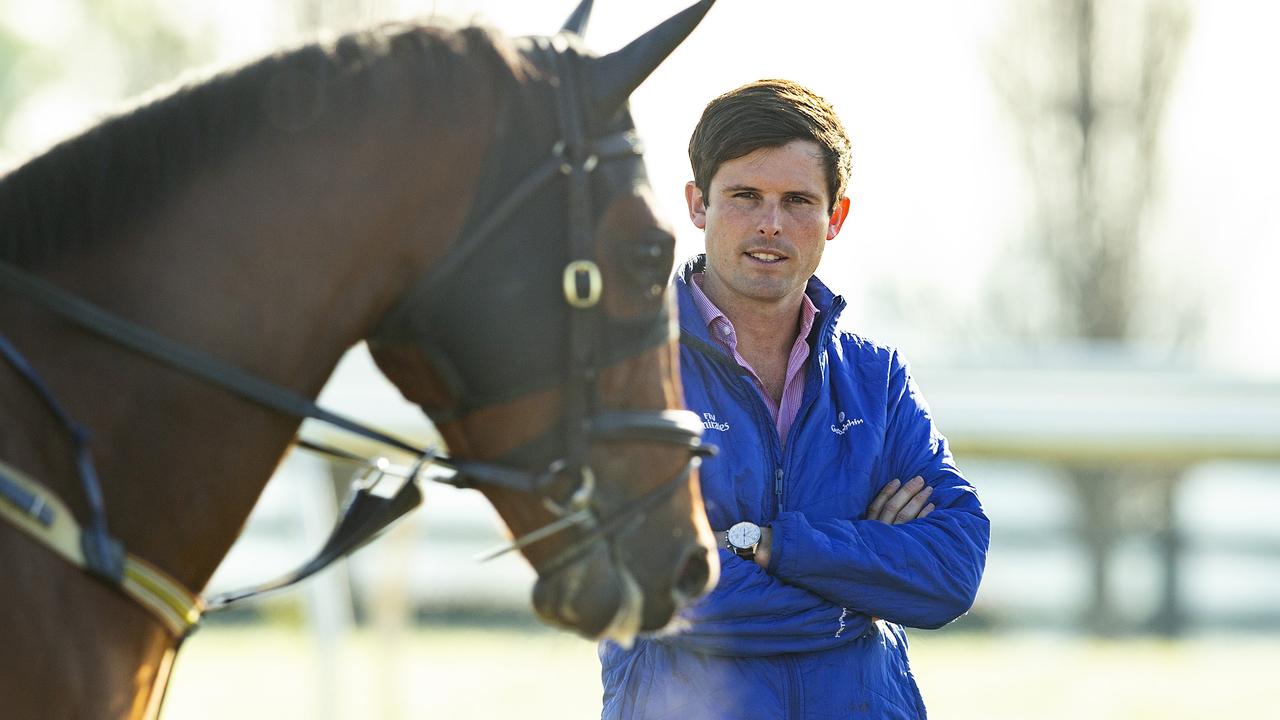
(276, 263)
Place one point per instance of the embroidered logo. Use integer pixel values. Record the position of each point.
(844, 613)
(709, 422)
(842, 426)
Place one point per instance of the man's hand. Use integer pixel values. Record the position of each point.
(898, 503)
(765, 549)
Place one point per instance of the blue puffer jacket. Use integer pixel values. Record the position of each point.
(800, 640)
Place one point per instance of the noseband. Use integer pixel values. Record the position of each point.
(575, 156)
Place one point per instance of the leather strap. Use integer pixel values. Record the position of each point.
(363, 519)
(39, 513)
(182, 357)
(103, 554)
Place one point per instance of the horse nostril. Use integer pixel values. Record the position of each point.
(691, 579)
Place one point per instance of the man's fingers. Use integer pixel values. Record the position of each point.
(914, 506)
(877, 505)
(894, 505)
(901, 502)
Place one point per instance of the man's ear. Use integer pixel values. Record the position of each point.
(837, 218)
(697, 207)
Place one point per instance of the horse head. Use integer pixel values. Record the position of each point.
(544, 342)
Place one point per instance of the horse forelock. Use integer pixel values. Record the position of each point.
(93, 187)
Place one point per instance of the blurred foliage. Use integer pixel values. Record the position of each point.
(15, 76)
(95, 53)
(101, 51)
(152, 42)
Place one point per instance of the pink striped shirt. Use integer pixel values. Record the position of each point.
(722, 331)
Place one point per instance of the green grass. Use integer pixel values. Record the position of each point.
(985, 676)
(279, 672)
(276, 672)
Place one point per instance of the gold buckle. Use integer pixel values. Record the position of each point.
(594, 284)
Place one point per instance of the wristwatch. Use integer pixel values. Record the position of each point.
(742, 539)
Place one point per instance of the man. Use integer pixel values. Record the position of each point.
(825, 553)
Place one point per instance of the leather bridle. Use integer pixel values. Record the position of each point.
(575, 157)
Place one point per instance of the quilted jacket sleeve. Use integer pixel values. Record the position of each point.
(923, 573)
(752, 613)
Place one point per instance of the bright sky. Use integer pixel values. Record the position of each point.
(937, 186)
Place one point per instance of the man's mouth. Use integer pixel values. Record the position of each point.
(767, 257)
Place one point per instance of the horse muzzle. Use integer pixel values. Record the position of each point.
(603, 596)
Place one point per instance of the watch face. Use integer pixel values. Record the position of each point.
(744, 535)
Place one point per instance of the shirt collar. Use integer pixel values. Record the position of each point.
(721, 328)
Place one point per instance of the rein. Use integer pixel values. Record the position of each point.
(28, 505)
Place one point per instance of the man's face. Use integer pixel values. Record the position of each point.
(766, 224)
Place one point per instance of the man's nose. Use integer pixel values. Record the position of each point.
(770, 221)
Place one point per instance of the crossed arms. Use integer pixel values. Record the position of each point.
(895, 504)
(916, 558)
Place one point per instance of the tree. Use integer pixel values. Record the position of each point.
(1086, 84)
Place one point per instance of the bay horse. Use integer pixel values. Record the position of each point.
(473, 207)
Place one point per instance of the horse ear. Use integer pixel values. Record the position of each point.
(615, 75)
(577, 22)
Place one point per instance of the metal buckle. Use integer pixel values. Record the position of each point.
(594, 284)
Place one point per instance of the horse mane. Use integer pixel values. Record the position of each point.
(94, 186)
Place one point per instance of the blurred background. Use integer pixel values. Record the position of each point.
(1065, 211)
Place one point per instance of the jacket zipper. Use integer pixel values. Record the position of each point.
(795, 691)
(809, 397)
(780, 453)
(765, 419)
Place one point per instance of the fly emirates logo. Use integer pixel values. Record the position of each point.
(709, 422)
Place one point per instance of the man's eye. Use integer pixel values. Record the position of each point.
(798, 200)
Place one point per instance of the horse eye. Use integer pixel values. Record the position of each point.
(648, 265)
(648, 250)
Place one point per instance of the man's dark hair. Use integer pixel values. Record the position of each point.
(767, 114)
